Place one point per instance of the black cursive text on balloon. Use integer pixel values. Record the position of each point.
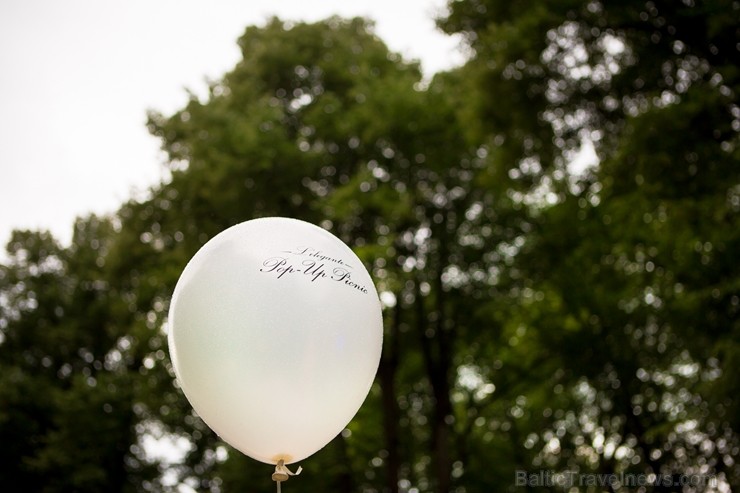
(314, 270)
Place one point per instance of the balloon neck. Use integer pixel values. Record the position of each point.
(282, 473)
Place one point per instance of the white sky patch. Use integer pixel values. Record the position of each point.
(584, 159)
(388, 299)
(163, 447)
(76, 79)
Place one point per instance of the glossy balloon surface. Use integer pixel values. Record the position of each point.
(275, 334)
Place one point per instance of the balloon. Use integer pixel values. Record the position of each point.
(275, 334)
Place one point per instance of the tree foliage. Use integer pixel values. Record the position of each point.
(538, 314)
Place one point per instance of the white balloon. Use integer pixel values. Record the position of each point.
(275, 334)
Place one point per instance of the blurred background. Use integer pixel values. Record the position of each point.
(548, 204)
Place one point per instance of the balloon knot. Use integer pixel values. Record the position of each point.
(282, 473)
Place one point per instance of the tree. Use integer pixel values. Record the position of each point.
(628, 270)
(403, 190)
(395, 188)
(67, 416)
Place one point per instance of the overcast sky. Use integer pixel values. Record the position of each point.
(77, 76)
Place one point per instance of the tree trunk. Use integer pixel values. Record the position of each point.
(436, 350)
(391, 413)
